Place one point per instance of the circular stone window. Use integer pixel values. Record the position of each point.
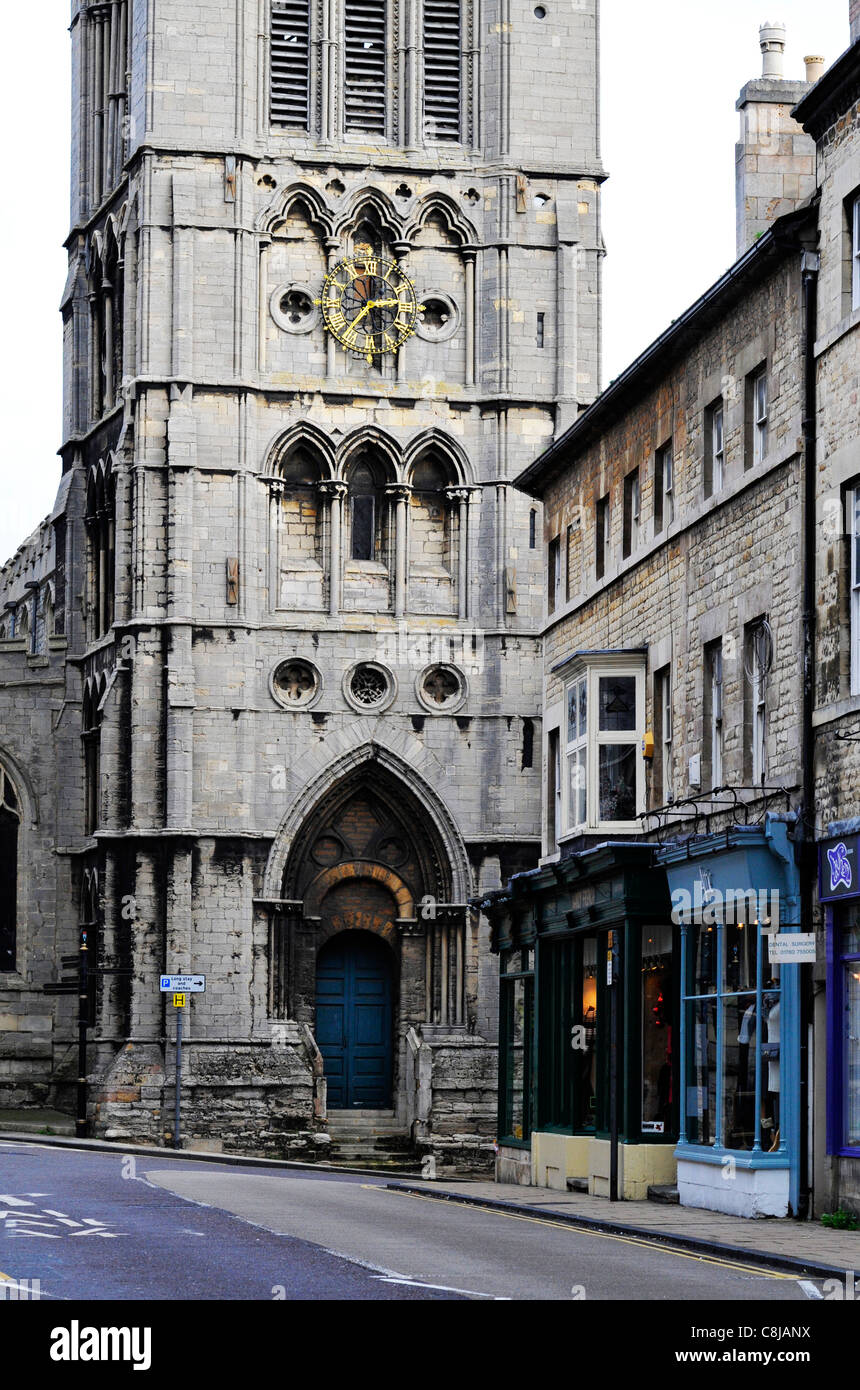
(441, 688)
(296, 684)
(293, 309)
(440, 317)
(368, 686)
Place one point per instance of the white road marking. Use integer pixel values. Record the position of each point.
(810, 1289)
(442, 1288)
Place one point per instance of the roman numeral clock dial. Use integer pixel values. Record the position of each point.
(369, 305)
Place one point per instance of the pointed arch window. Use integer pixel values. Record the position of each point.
(364, 507)
(92, 734)
(10, 825)
(100, 522)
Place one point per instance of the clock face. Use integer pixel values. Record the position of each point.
(369, 305)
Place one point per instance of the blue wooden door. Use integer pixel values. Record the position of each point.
(354, 1021)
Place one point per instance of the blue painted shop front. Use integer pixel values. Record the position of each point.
(739, 1144)
(354, 1020)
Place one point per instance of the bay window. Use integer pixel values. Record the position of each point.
(604, 783)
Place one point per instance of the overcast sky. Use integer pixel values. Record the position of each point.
(671, 73)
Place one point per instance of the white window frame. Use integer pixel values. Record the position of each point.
(666, 733)
(635, 513)
(855, 253)
(760, 406)
(575, 810)
(553, 588)
(718, 447)
(853, 500)
(592, 671)
(716, 679)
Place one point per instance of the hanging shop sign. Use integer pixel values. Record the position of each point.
(795, 948)
(838, 868)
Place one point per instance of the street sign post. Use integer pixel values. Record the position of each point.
(179, 986)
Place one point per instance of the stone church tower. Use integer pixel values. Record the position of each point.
(269, 673)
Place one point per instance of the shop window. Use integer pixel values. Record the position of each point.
(572, 1080)
(658, 1031)
(553, 792)
(517, 1029)
(730, 1032)
(605, 784)
(845, 1021)
(10, 823)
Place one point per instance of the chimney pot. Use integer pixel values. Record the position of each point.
(772, 41)
(814, 68)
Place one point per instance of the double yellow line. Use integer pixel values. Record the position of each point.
(572, 1229)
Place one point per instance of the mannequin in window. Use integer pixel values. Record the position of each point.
(770, 1054)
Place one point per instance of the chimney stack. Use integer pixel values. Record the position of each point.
(772, 40)
(774, 158)
(814, 69)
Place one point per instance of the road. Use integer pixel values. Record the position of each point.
(107, 1226)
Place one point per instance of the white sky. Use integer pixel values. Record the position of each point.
(671, 73)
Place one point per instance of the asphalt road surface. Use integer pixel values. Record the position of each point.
(106, 1226)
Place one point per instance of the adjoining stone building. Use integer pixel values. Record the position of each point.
(830, 114)
(653, 1032)
(278, 727)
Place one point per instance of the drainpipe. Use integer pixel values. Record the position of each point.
(809, 266)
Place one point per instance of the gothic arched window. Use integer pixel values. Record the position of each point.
(434, 537)
(10, 821)
(365, 507)
(301, 541)
(92, 733)
(100, 522)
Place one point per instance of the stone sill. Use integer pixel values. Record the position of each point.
(838, 331)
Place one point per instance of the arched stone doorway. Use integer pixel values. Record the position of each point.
(355, 1019)
(369, 859)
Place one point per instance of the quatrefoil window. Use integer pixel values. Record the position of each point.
(296, 684)
(441, 688)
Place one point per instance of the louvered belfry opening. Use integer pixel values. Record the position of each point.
(442, 69)
(364, 84)
(290, 62)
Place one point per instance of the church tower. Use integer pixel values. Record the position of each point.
(334, 281)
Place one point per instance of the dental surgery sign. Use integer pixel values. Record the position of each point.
(838, 868)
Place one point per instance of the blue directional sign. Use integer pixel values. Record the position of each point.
(182, 984)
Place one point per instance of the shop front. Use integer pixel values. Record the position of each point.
(589, 1059)
(839, 893)
(732, 894)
